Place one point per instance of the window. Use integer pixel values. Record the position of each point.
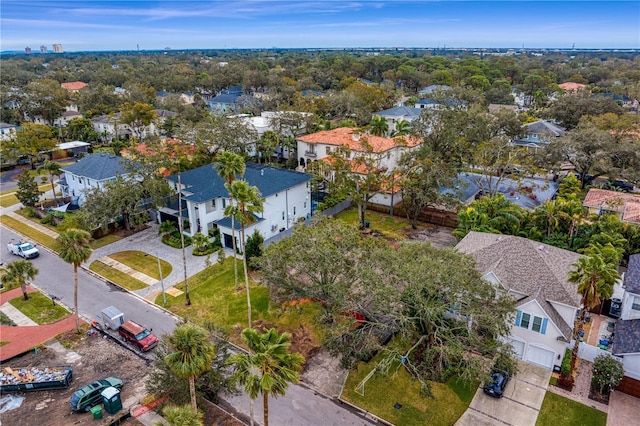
(328, 150)
(531, 322)
(224, 203)
(635, 303)
(282, 215)
(305, 205)
(294, 210)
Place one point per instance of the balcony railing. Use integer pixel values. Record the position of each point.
(310, 154)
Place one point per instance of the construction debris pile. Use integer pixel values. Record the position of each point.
(9, 376)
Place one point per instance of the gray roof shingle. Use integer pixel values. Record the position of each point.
(537, 270)
(632, 276)
(99, 166)
(401, 111)
(204, 183)
(627, 339)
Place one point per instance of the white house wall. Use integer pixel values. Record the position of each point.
(567, 313)
(628, 313)
(631, 364)
(384, 199)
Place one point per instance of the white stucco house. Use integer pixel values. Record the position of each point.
(111, 127)
(8, 131)
(89, 172)
(286, 195)
(536, 275)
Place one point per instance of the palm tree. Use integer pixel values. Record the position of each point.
(249, 202)
(167, 227)
(18, 273)
(403, 128)
(200, 242)
(53, 169)
(75, 250)
(229, 166)
(191, 357)
(181, 416)
(268, 368)
(379, 126)
(595, 279)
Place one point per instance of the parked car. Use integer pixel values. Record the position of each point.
(498, 383)
(89, 396)
(138, 336)
(23, 249)
(622, 185)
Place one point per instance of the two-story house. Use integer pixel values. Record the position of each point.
(536, 275)
(286, 195)
(626, 340)
(625, 206)
(111, 127)
(399, 113)
(538, 134)
(89, 172)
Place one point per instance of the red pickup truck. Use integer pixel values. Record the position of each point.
(137, 335)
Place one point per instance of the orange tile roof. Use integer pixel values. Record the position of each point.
(74, 85)
(570, 86)
(344, 136)
(627, 204)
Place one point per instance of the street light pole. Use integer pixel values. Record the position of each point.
(164, 296)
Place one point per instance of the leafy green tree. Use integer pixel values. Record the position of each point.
(74, 249)
(182, 416)
(53, 169)
(138, 116)
(268, 368)
(229, 166)
(28, 193)
(200, 242)
(490, 214)
(191, 356)
(571, 107)
(81, 129)
(595, 279)
(32, 140)
(249, 202)
(19, 273)
(607, 373)
(254, 246)
(267, 145)
(45, 98)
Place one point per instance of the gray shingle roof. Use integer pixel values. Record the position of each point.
(544, 126)
(627, 339)
(401, 111)
(632, 276)
(99, 166)
(538, 270)
(205, 184)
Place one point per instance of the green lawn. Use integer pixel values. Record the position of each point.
(143, 262)
(31, 233)
(8, 198)
(557, 410)
(213, 298)
(117, 277)
(106, 240)
(392, 226)
(381, 393)
(40, 308)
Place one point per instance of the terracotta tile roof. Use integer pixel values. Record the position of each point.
(627, 204)
(570, 86)
(74, 85)
(344, 136)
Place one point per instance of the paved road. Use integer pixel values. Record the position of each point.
(300, 406)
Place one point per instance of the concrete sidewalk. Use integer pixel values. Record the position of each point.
(127, 270)
(32, 224)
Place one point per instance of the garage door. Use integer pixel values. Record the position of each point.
(518, 348)
(540, 356)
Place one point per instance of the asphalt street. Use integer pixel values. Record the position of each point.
(300, 406)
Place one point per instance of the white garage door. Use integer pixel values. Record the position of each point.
(518, 348)
(540, 356)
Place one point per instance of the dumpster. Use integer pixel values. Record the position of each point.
(96, 412)
(111, 400)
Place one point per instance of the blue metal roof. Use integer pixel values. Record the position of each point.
(99, 166)
(205, 184)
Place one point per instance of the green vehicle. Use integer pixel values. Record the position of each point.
(90, 395)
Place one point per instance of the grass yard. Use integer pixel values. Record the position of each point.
(8, 198)
(31, 233)
(557, 410)
(106, 240)
(381, 393)
(117, 277)
(143, 262)
(213, 298)
(392, 226)
(40, 308)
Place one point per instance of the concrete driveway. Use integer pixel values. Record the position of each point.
(520, 404)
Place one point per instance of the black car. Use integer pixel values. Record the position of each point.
(622, 185)
(498, 383)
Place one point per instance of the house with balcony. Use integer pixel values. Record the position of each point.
(286, 194)
(536, 275)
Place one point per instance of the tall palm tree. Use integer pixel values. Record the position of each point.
(53, 169)
(191, 356)
(403, 128)
(75, 250)
(379, 126)
(595, 279)
(229, 166)
(18, 273)
(249, 202)
(268, 368)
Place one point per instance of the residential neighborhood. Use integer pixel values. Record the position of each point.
(406, 236)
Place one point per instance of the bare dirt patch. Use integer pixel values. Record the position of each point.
(98, 358)
(438, 236)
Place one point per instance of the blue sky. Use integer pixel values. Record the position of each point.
(124, 25)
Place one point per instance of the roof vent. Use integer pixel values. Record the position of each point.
(355, 136)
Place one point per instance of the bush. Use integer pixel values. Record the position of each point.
(607, 373)
(254, 247)
(48, 220)
(565, 368)
(174, 240)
